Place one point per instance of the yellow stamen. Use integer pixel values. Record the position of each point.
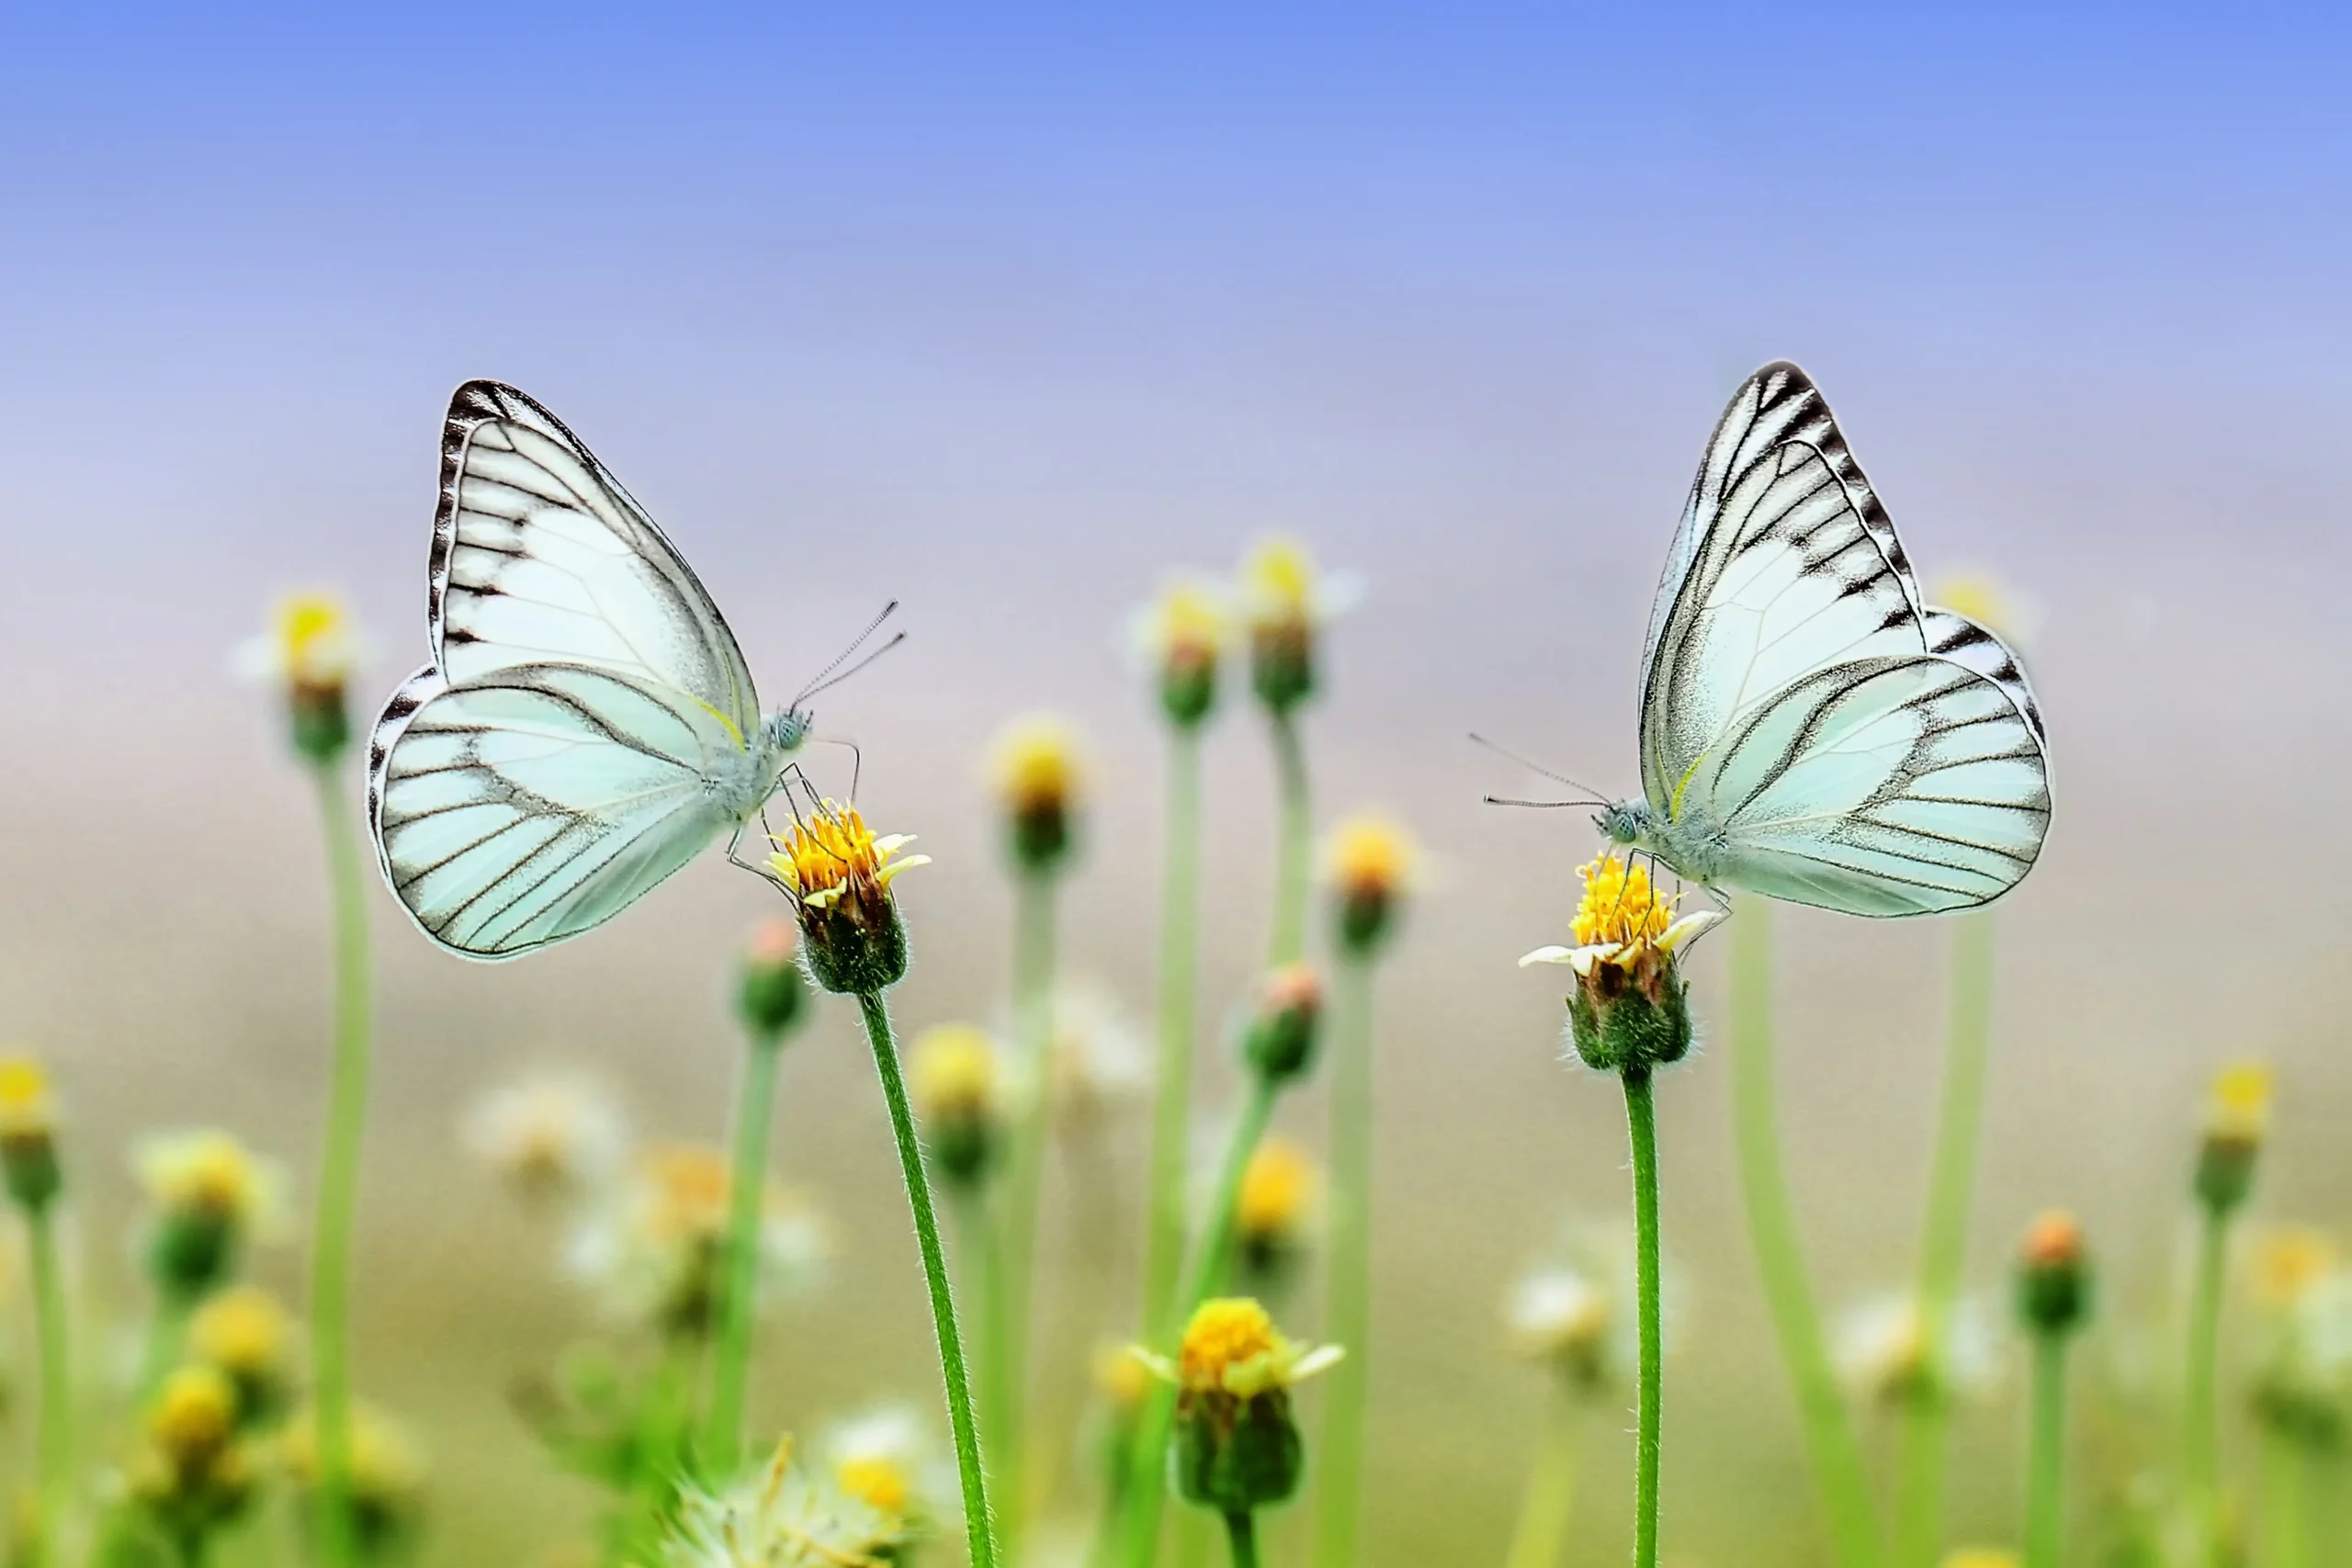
(833, 853)
(1620, 906)
(1224, 1334)
(1276, 1189)
(879, 1483)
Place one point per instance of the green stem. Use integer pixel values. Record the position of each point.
(1348, 1295)
(339, 1171)
(1943, 1251)
(56, 1377)
(1641, 1120)
(1830, 1443)
(995, 1364)
(1241, 1529)
(980, 1525)
(1171, 1112)
(1032, 1003)
(657, 1454)
(1289, 940)
(166, 1336)
(2200, 1438)
(738, 1301)
(1551, 1488)
(1147, 1487)
(2045, 1512)
(2286, 1508)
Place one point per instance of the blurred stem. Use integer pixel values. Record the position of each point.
(656, 1456)
(980, 1525)
(987, 1265)
(339, 1171)
(1551, 1487)
(1830, 1444)
(1641, 1119)
(739, 1302)
(2200, 1438)
(1348, 1295)
(1146, 1481)
(1241, 1529)
(56, 1438)
(1943, 1248)
(1032, 1006)
(1171, 1112)
(1289, 940)
(2045, 1510)
(2286, 1503)
(166, 1334)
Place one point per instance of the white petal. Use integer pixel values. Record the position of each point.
(1689, 926)
(1543, 955)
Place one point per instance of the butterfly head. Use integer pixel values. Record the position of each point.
(788, 727)
(1624, 823)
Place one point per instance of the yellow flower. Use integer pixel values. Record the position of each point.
(1630, 1009)
(954, 1072)
(193, 1415)
(2240, 1110)
(27, 1109)
(1278, 1191)
(1037, 765)
(1372, 861)
(244, 1332)
(1620, 917)
(1285, 602)
(209, 1173)
(1187, 626)
(654, 1245)
(838, 876)
(387, 1470)
(2288, 1261)
(312, 644)
(1232, 1347)
(888, 1457)
(1984, 599)
(1121, 1377)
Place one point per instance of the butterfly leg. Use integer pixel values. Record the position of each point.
(735, 843)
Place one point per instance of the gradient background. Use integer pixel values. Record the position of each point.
(1003, 313)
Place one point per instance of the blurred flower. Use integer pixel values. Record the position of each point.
(1372, 861)
(309, 653)
(211, 1195)
(955, 1078)
(1274, 1209)
(2302, 1387)
(2054, 1275)
(28, 1133)
(1286, 601)
(771, 992)
(1630, 1008)
(1563, 1318)
(1989, 601)
(388, 1473)
(1039, 779)
(548, 1135)
(1236, 1447)
(1184, 634)
(2288, 1261)
(838, 874)
(1882, 1349)
(1121, 1378)
(190, 1474)
(655, 1247)
(1979, 1557)
(244, 1333)
(1279, 1044)
(1095, 1057)
(890, 1459)
(2237, 1119)
(781, 1516)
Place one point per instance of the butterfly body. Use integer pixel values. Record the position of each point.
(587, 724)
(1812, 730)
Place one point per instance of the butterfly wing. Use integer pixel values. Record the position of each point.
(521, 805)
(540, 556)
(1853, 746)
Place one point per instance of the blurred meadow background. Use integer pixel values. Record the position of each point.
(1005, 312)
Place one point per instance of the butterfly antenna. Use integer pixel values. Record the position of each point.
(1538, 805)
(1534, 767)
(826, 683)
(821, 679)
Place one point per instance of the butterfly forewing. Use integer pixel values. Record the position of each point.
(1849, 746)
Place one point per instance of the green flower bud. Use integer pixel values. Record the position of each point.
(838, 875)
(1037, 776)
(27, 1135)
(1280, 1042)
(2236, 1123)
(772, 993)
(2053, 1275)
(954, 1077)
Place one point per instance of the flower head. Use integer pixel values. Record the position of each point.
(28, 1133)
(309, 653)
(2053, 1278)
(1561, 1316)
(956, 1077)
(1280, 1188)
(2304, 1387)
(244, 1333)
(1285, 602)
(1883, 1349)
(1630, 1009)
(838, 876)
(1279, 1044)
(890, 1457)
(548, 1135)
(1184, 634)
(1095, 1060)
(779, 1517)
(657, 1244)
(771, 990)
(386, 1477)
(191, 1475)
(211, 1194)
(1039, 777)
(1986, 600)
(2237, 1119)
(1372, 862)
(2287, 1261)
(1236, 1447)
(1121, 1377)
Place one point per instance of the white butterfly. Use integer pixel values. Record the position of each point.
(1811, 730)
(587, 725)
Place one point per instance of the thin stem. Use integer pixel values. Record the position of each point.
(1289, 939)
(738, 1299)
(1641, 1120)
(1211, 1255)
(979, 1525)
(1836, 1455)
(1348, 1295)
(1241, 1529)
(2286, 1507)
(1551, 1488)
(656, 1455)
(166, 1335)
(2045, 1495)
(1171, 1112)
(988, 1264)
(1943, 1250)
(339, 1171)
(2201, 1437)
(1032, 1003)
(56, 1376)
